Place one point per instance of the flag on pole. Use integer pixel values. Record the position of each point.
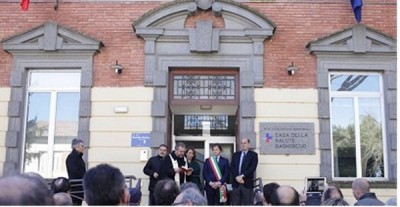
(24, 5)
(356, 5)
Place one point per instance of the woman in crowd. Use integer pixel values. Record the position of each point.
(194, 174)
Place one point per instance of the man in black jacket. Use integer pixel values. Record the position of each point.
(76, 169)
(152, 169)
(243, 166)
(363, 195)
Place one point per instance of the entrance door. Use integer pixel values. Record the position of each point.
(203, 147)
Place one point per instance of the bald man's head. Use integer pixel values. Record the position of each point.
(360, 186)
(286, 196)
(24, 190)
(62, 199)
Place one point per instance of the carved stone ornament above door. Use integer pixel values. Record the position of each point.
(204, 4)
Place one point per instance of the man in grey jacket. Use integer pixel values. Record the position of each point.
(361, 193)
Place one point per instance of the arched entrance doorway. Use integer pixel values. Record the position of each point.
(212, 36)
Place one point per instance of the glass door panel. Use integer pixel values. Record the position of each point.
(66, 129)
(37, 129)
(344, 141)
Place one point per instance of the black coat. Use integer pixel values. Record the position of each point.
(249, 166)
(153, 165)
(75, 165)
(167, 171)
(76, 170)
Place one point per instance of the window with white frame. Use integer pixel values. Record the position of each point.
(51, 120)
(357, 125)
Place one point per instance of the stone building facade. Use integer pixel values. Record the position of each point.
(302, 76)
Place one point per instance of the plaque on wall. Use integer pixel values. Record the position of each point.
(140, 139)
(283, 138)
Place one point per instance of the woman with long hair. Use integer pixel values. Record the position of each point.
(194, 174)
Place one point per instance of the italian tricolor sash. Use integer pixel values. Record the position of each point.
(218, 175)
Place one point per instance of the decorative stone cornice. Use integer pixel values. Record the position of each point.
(51, 37)
(356, 39)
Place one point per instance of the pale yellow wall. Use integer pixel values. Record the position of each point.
(294, 105)
(4, 99)
(287, 105)
(110, 132)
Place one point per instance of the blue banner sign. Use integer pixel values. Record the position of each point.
(140, 139)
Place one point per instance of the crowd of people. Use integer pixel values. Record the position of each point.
(180, 166)
(174, 180)
(171, 174)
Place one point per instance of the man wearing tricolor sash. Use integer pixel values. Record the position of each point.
(174, 165)
(215, 174)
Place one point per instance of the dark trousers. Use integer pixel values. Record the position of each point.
(242, 196)
(152, 201)
(213, 197)
(77, 199)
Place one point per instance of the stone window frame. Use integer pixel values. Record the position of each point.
(356, 49)
(48, 46)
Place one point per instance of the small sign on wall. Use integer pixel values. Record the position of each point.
(140, 139)
(282, 138)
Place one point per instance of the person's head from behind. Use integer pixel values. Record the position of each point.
(78, 145)
(105, 185)
(190, 197)
(259, 199)
(180, 149)
(62, 199)
(335, 202)
(165, 192)
(187, 185)
(360, 186)
(135, 197)
(331, 192)
(35, 175)
(391, 202)
(285, 196)
(60, 184)
(268, 189)
(24, 190)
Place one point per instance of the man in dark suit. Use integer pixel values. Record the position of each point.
(213, 180)
(76, 169)
(152, 169)
(243, 166)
